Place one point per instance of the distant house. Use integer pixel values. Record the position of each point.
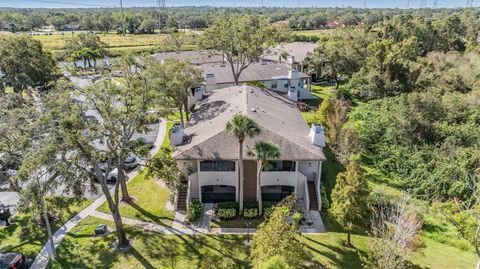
(275, 76)
(209, 155)
(334, 24)
(295, 52)
(194, 57)
(72, 27)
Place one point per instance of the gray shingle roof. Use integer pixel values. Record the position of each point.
(300, 50)
(254, 72)
(279, 119)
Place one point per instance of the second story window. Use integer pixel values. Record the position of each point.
(274, 84)
(217, 166)
(280, 166)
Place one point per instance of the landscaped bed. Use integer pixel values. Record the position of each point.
(227, 215)
(27, 235)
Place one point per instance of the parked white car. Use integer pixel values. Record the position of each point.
(112, 175)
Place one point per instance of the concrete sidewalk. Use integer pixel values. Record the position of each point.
(41, 261)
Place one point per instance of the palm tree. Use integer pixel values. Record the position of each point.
(241, 126)
(263, 151)
(283, 56)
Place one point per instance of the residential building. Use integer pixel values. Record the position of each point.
(291, 54)
(274, 76)
(209, 155)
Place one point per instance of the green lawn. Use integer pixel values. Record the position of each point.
(150, 201)
(166, 141)
(318, 32)
(80, 249)
(330, 169)
(117, 44)
(321, 91)
(26, 235)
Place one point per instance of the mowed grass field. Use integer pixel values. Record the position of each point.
(317, 32)
(116, 43)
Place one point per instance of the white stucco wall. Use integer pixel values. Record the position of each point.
(193, 178)
(279, 178)
(309, 167)
(301, 186)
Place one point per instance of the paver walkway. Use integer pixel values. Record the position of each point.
(41, 261)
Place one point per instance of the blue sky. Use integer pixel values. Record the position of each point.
(289, 3)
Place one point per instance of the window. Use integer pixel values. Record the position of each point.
(284, 166)
(274, 84)
(220, 166)
(285, 85)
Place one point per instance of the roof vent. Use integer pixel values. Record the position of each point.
(317, 134)
(254, 109)
(176, 136)
(251, 90)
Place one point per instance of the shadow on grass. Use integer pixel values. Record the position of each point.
(141, 259)
(27, 234)
(342, 257)
(206, 251)
(330, 169)
(77, 254)
(332, 225)
(150, 216)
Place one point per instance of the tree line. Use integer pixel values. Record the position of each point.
(405, 114)
(145, 20)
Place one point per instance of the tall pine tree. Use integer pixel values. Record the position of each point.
(349, 198)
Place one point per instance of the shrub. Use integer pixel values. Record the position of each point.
(267, 211)
(226, 213)
(269, 203)
(194, 211)
(325, 202)
(151, 118)
(258, 84)
(297, 218)
(225, 205)
(251, 204)
(250, 212)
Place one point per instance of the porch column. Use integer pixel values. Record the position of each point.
(198, 181)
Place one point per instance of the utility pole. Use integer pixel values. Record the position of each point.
(161, 12)
(123, 18)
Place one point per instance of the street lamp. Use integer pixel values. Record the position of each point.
(247, 242)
